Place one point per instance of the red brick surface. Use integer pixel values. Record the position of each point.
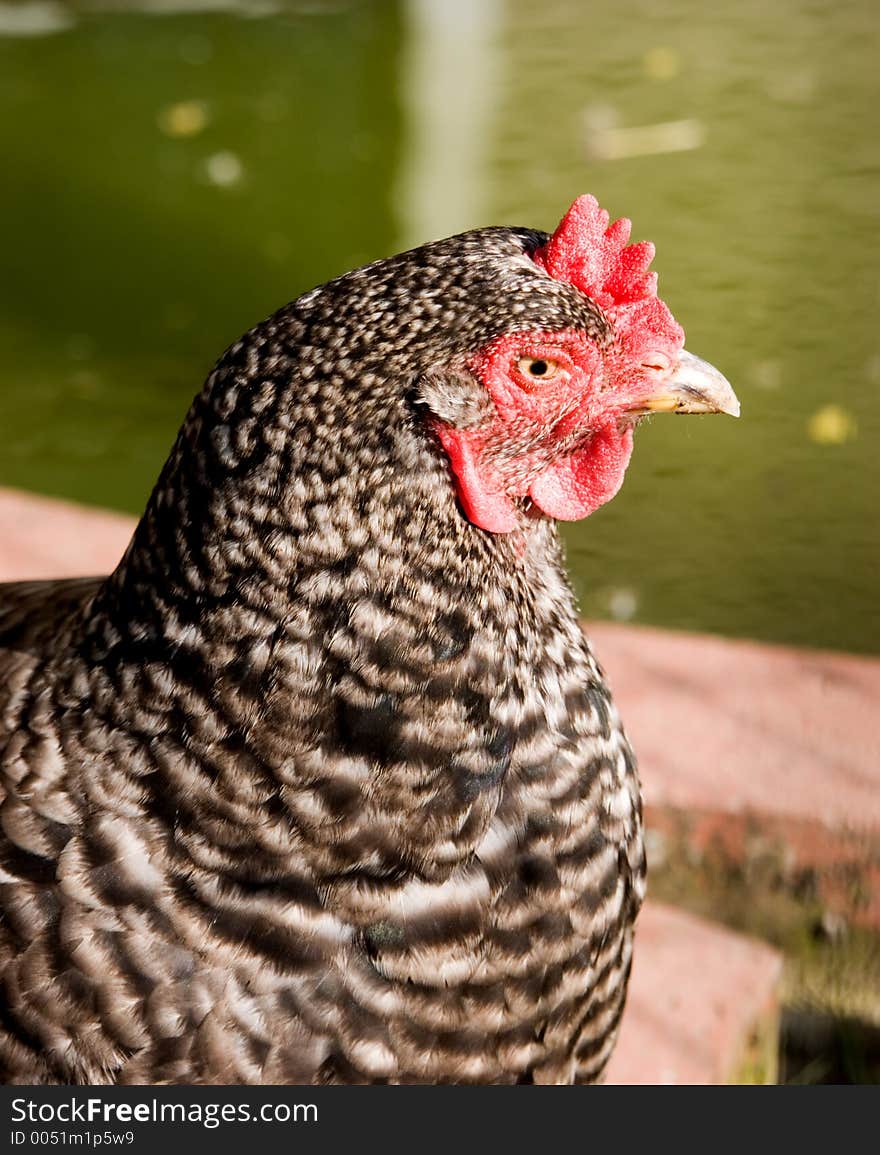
(43, 537)
(738, 727)
(696, 993)
(757, 752)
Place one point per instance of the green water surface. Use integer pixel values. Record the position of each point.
(173, 172)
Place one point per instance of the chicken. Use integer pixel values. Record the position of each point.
(324, 784)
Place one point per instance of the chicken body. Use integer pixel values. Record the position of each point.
(323, 784)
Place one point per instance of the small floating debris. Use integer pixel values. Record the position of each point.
(224, 169)
(254, 9)
(767, 374)
(622, 604)
(608, 142)
(661, 63)
(792, 87)
(832, 425)
(186, 118)
(39, 18)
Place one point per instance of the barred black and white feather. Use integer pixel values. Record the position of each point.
(323, 784)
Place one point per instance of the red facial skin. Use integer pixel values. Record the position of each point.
(565, 442)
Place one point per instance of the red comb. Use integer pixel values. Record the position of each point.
(594, 256)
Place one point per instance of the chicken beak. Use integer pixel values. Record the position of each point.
(693, 386)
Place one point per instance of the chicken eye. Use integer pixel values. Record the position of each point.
(538, 368)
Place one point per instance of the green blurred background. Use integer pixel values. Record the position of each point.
(174, 170)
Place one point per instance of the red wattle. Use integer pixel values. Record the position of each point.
(489, 510)
(576, 486)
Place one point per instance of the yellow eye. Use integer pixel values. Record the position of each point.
(538, 368)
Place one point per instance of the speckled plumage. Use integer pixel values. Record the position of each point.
(323, 784)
